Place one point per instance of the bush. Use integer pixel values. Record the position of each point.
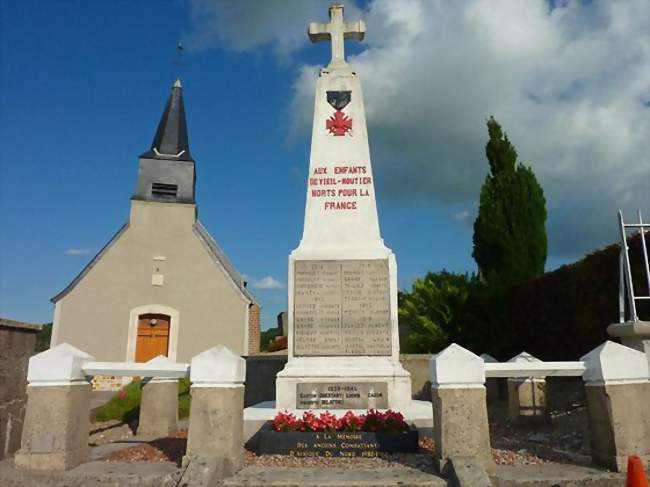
(433, 311)
(125, 404)
(565, 313)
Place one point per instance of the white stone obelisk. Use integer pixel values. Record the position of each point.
(343, 334)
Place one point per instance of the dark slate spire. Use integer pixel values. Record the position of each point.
(166, 172)
(171, 140)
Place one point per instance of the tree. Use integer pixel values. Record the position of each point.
(510, 244)
(43, 338)
(432, 311)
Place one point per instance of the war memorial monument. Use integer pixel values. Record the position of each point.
(343, 355)
(343, 342)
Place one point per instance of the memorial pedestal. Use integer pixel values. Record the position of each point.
(343, 340)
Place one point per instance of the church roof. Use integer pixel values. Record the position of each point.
(222, 259)
(170, 141)
(90, 264)
(217, 254)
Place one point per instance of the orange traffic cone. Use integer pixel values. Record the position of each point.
(635, 474)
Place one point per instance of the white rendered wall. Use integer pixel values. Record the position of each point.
(95, 316)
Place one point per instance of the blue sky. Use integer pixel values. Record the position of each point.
(83, 85)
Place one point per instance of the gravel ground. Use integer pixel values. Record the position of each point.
(565, 439)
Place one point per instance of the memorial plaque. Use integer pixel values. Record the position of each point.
(349, 444)
(341, 308)
(342, 395)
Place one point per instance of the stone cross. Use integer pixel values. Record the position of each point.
(336, 31)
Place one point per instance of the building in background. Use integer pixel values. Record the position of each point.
(161, 285)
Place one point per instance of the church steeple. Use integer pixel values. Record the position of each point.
(170, 141)
(166, 172)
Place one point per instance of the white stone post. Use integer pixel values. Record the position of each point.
(57, 418)
(159, 405)
(491, 383)
(460, 421)
(215, 447)
(617, 386)
(527, 396)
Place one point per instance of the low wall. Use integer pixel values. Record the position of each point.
(261, 371)
(17, 342)
(260, 377)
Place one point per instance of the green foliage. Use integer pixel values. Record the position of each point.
(266, 337)
(510, 244)
(43, 338)
(125, 404)
(433, 311)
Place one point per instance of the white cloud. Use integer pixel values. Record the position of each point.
(267, 282)
(77, 252)
(570, 86)
(460, 215)
(244, 25)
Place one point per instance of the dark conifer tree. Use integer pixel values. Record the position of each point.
(510, 244)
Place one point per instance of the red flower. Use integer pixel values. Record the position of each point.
(373, 421)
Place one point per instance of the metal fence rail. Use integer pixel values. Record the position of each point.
(625, 269)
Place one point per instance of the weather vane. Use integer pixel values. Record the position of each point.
(178, 60)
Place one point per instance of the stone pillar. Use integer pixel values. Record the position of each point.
(159, 405)
(460, 422)
(617, 386)
(527, 396)
(57, 419)
(215, 438)
(491, 383)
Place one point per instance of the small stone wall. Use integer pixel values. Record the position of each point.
(17, 342)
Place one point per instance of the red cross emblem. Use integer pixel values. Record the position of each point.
(338, 124)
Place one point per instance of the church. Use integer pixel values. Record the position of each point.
(161, 285)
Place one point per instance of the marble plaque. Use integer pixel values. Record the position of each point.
(341, 307)
(342, 395)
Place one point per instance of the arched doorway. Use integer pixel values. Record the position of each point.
(152, 337)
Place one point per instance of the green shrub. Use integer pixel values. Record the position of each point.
(125, 404)
(432, 311)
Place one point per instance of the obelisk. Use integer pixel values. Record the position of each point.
(343, 338)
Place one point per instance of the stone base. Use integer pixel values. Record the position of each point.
(216, 427)
(460, 426)
(633, 334)
(619, 423)
(159, 409)
(419, 414)
(345, 371)
(527, 401)
(55, 431)
(51, 461)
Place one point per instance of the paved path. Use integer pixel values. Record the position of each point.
(333, 477)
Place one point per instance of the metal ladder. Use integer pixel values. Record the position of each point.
(625, 270)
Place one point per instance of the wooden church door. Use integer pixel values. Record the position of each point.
(153, 337)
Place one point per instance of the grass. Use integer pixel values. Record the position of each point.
(125, 404)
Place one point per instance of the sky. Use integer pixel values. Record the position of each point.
(83, 85)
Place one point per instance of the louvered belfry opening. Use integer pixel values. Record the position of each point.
(164, 190)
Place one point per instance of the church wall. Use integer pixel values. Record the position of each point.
(94, 316)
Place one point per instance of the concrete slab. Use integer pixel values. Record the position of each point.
(333, 477)
(420, 414)
(553, 474)
(92, 474)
